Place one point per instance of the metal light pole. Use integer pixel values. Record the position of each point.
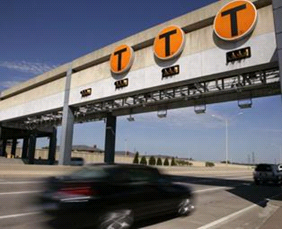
(227, 121)
(226, 141)
(280, 152)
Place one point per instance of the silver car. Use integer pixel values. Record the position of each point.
(267, 173)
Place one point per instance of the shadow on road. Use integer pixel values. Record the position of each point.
(243, 188)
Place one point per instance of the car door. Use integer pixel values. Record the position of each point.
(129, 188)
(147, 195)
(170, 194)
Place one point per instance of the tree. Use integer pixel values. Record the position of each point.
(143, 161)
(209, 164)
(136, 158)
(166, 163)
(152, 160)
(159, 161)
(173, 163)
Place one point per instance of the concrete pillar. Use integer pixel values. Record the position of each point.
(31, 148)
(1, 143)
(67, 125)
(25, 148)
(4, 145)
(277, 13)
(14, 147)
(3, 148)
(52, 147)
(110, 139)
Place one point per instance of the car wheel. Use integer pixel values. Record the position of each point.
(118, 219)
(185, 207)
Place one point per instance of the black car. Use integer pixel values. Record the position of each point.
(113, 196)
(264, 173)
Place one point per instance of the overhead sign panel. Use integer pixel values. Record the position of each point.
(169, 43)
(235, 20)
(121, 59)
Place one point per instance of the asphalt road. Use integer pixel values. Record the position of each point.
(222, 201)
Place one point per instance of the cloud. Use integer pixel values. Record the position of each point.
(35, 68)
(9, 83)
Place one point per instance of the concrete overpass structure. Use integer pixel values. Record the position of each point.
(229, 50)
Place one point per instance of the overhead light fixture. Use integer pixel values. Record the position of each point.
(245, 103)
(200, 109)
(162, 113)
(130, 118)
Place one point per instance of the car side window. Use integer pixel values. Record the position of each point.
(143, 175)
(119, 176)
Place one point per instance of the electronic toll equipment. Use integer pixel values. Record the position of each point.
(170, 71)
(86, 92)
(121, 83)
(238, 54)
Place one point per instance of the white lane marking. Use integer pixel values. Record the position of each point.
(18, 193)
(18, 215)
(237, 178)
(210, 189)
(226, 218)
(22, 182)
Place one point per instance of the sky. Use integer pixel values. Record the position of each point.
(37, 35)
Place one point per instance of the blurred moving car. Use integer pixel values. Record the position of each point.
(78, 161)
(113, 196)
(267, 173)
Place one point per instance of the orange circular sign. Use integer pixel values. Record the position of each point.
(235, 20)
(169, 42)
(121, 59)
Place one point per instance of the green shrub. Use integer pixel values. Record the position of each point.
(136, 158)
(166, 163)
(159, 161)
(152, 160)
(209, 164)
(183, 163)
(173, 163)
(143, 161)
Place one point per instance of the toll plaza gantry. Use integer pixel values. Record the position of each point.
(226, 51)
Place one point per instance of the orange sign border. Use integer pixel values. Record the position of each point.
(247, 32)
(130, 61)
(179, 50)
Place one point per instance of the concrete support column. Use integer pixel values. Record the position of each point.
(52, 147)
(1, 143)
(25, 148)
(4, 144)
(14, 147)
(31, 148)
(110, 139)
(277, 13)
(67, 125)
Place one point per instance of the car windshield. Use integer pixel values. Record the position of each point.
(89, 172)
